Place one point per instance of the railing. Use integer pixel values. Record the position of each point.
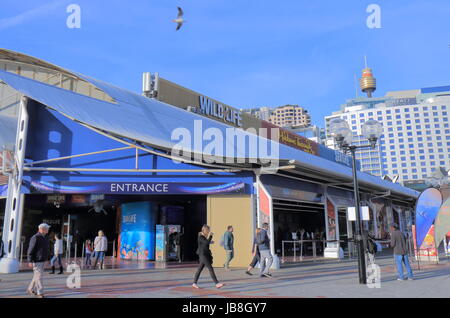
(303, 244)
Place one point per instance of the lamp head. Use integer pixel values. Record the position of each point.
(372, 130)
(341, 132)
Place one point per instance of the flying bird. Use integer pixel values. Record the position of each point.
(179, 20)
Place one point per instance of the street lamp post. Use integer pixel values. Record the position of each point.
(343, 136)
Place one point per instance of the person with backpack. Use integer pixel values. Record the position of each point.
(398, 242)
(228, 244)
(263, 241)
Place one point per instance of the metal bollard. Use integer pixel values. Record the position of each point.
(76, 252)
(21, 252)
(295, 252)
(314, 250)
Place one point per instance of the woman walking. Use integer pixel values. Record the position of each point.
(57, 254)
(205, 256)
(255, 253)
(100, 248)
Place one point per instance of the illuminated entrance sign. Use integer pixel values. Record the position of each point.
(138, 187)
(210, 108)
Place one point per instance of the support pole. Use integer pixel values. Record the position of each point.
(358, 228)
(14, 207)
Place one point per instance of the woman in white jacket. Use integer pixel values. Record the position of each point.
(57, 254)
(100, 248)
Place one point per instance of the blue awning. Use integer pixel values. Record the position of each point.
(152, 122)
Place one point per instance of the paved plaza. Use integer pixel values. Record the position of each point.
(318, 279)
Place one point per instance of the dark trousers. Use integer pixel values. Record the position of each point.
(255, 260)
(208, 265)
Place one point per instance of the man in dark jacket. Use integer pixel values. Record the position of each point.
(38, 252)
(398, 242)
(263, 242)
(228, 245)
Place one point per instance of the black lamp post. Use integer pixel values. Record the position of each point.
(343, 136)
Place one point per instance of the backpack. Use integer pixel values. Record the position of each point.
(371, 246)
(222, 240)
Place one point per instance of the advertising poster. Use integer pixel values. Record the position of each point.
(427, 250)
(331, 221)
(160, 253)
(264, 207)
(138, 231)
(442, 223)
(427, 208)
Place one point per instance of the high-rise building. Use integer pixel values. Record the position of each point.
(287, 116)
(260, 112)
(416, 138)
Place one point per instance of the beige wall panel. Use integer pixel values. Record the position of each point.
(237, 211)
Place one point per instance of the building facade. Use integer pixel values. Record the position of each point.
(89, 155)
(416, 138)
(287, 116)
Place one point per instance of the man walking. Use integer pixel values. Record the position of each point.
(263, 242)
(228, 245)
(38, 252)
(398, 242)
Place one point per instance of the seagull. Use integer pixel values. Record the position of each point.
(179, 20)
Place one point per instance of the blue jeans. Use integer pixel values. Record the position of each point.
(101, 256)
(56, 258)
(400, 260)
(88, 259)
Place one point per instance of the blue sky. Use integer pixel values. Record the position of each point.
(245, 53)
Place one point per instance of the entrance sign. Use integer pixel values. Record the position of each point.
(138, 187)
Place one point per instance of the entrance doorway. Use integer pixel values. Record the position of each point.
(293, 216)
(79, 217)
